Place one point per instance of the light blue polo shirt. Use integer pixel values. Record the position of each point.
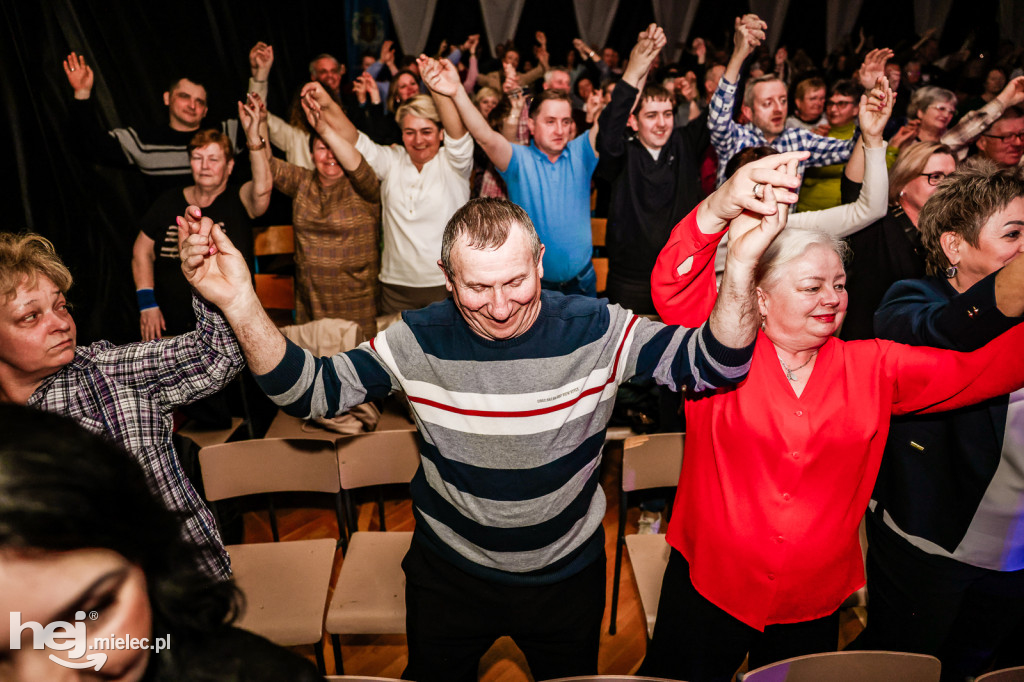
(556, 196)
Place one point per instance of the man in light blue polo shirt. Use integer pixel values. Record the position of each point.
(550, 178)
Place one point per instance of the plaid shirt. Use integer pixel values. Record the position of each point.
(729, 137)
(128, 392)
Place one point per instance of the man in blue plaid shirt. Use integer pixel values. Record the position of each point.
(764, 104)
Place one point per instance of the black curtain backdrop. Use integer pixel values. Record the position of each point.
(136, 48)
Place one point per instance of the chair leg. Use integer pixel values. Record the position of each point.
(339, 669)
(318, 649)
(620, 540)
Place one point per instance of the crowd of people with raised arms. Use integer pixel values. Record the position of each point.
(825, 296)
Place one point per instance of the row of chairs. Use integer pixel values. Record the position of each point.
(275, 282)
(286, 584)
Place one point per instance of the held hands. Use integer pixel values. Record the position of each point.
(700, 49)
(471, 44)
(261, 58)
(762, 192)
(875, 110)
(211, 263)
(80, 76)
(252, 113)
(649, 44)
(314, 114)
(441, 76)
(750, 32)
(315, 90)
(369, 86)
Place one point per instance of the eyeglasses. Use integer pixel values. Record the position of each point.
(839, 103)
(934, 178)
(1018, 137)
(947, 110)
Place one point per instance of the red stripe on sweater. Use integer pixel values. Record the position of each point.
(540, 410)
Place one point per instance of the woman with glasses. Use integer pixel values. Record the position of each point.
(945, 559)
(890, 249)
(931, 110)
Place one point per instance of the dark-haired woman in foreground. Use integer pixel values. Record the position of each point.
(81, 533)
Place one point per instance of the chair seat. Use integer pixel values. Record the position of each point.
(648, 555)
(370, 595)
(285, 586)
(204, 437)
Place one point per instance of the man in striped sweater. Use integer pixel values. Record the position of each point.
(512, 389)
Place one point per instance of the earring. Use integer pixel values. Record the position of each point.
(950, 272)
(764, 319)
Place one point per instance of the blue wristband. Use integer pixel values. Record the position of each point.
(146, 299)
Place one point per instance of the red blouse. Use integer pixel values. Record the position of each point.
(774, 486)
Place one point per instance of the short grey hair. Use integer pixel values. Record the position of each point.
(486, 223)
(927, 96)
(312, 64)
(791, 244)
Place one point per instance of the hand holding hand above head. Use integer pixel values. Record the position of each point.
(781, 55)
(649, 44)
(511, 82)
(440, 76)
(314, 114)
(80, 75)
(371, 87)
(210, 262)
(471, 43)
(315, 90)
(744, 192)
(261, 58)
(753, 231)
(594, 105)
(251, 114)
(541, 39)
(875, 110)
(749, 33)
(873, 67)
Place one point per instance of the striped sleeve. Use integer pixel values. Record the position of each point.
(309, 387)
(677, 356)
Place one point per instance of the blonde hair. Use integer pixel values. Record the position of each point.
(23, 257)
(421, 106)
(911, 163)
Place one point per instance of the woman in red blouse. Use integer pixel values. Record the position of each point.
(778, 470)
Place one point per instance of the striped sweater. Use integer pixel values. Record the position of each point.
(508, 487)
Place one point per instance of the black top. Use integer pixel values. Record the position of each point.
(938, 467)
(158, 151)
(649, 196)
(883, 253)
(172, 290)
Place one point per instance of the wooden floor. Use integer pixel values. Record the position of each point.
(385, 655)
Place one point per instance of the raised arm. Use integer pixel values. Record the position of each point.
(976, 122)
(218, 271)
(255, 194)
(329, 109)
(450, 119)
(346, 153)
(683, 280)
(446, 83)
(749, 33)
(80, 75)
